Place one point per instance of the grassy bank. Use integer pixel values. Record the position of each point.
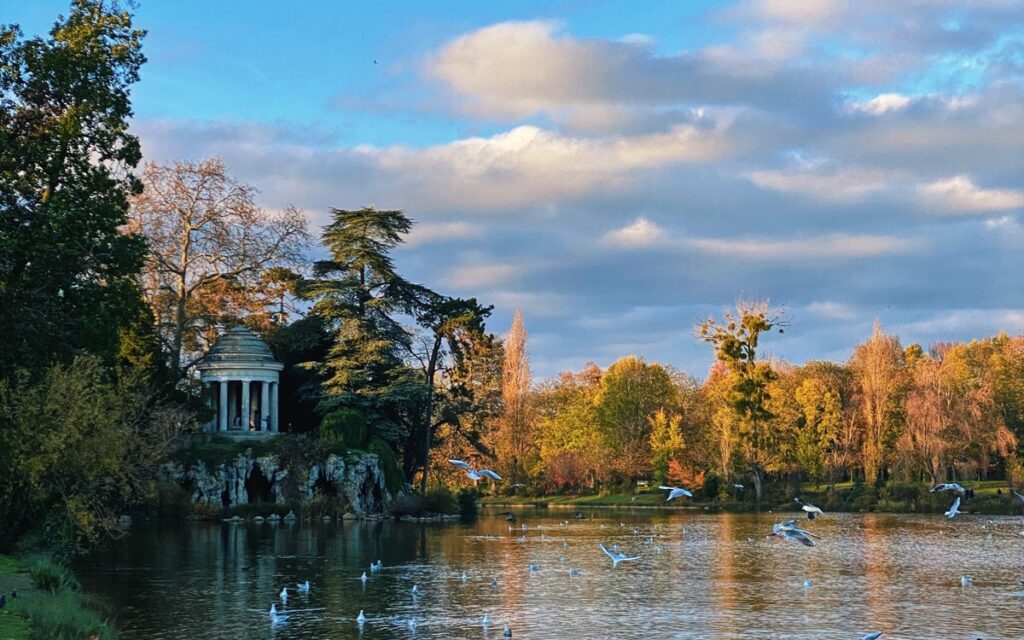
(49, 605)
(991, 498)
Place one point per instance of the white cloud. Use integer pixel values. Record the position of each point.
(641, 233)
(959, 194)
(832, 309)
(844, 185)
(430, 232)
(480, 275)
(882, 104)
(831, 246)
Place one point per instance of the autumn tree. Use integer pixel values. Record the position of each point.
(214, 254)
(877, 366)
(66, 161)
(513, 438)
(570, 447)
(735, 339)
(630, 393)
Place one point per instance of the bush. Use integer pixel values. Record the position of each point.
(344, 426)
(169, 500)
(467, 499)
(440, 500)
(902, 491)
(407, 504)
(712, 486)
(48, 575)
(388, 463)
(206, 511)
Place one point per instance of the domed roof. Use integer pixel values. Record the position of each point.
(241, 346)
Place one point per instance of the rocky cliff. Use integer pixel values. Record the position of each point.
(249, 479)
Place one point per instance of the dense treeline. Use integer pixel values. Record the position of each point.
(954, 412)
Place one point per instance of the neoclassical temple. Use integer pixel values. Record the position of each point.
(240, 382)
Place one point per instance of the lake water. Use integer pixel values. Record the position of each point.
(698, 576)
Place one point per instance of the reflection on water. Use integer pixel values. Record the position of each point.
(700, 576)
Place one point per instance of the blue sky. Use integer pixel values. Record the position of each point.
(619, 172)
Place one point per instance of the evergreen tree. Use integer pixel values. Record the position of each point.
(360, 296)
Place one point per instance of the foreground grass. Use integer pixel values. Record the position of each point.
(44, 614)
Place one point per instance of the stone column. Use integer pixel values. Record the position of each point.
(222, 408)
(264, 406)
(245, 405)
(273, 406)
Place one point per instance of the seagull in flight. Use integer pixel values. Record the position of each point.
(790, 531)
(616, 556)
(947, 486)
(872, 636)
(812, 511)
(675, 492)
(952, 510)
(475, 474)
(1019, 497)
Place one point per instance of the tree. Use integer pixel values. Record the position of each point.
(632, 391)
(213, 253)
(359, 295)
(514, 438)
(877, 366)
(66, 160)
(735, 339)
(454, 325)
(569, 443)
(666, 444)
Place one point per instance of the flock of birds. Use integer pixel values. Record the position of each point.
(787, 529)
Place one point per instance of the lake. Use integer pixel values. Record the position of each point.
(698, 576)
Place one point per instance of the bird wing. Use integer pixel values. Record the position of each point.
(606, 551)
(667, 488)
(462, 465)
(1019, 497)
(686, 493)
(938, 487)
(490, 474)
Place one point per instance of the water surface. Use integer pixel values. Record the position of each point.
(698, 576)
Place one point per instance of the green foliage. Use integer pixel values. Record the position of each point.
(48, 575)
(440, 500)
(388, 463)
(77, 447)
(359, 295)
(66, 156)
(344, 426)
(467, 500)
(63, 616)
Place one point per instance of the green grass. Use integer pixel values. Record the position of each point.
(42, 614)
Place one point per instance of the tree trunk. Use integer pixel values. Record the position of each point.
(429, 409)
(758, 474)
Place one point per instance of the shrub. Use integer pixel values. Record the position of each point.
(206, 511)
(388, 463)
(48, 575)
(467, 499)
(344, 425)
(440, 500)
(407, 504)
(902, 491)
(168, 500)
(712, 486)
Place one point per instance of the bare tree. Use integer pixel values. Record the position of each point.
(210, 247)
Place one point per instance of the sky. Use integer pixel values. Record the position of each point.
(621, 171)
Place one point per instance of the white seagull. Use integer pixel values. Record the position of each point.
(872, 636)
(788, 530)
(1019, 497)
(475, 474)
(375, 566)
(947, 486)
(361, 618)
(952, 510)
(303, 587)
(812, 511)
(284, 594)
(363, 577)
(275, 617)
(675, 492)
(616, 556)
